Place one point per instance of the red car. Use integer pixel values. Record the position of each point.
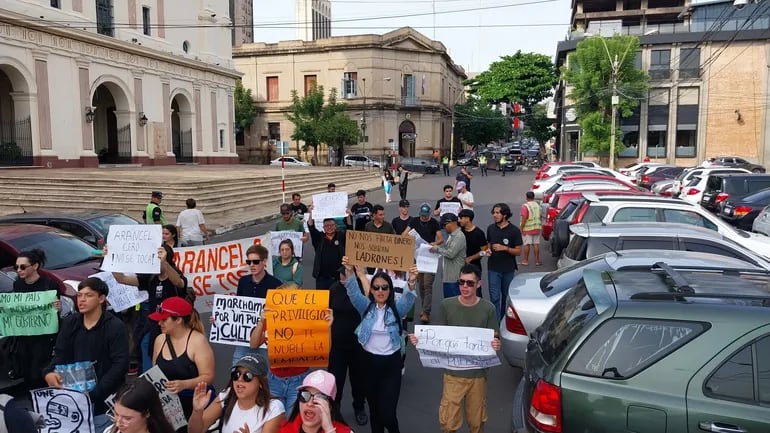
(596, 180)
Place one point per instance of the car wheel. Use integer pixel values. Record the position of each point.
(756, 170)
(560, 237)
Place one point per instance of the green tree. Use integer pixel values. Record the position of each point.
(477, 124)
(245, 111)
(589, 73)
(337, 129)
(537, 125)
(316, 122)
(526, 78)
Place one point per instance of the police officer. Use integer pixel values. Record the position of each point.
(152, 213)
(483, 164)
(503, 162)
(445, 165)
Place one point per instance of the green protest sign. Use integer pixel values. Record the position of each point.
(31, 313)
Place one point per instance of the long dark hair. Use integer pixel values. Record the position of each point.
(390, 302)
(289, 243)
(36, 256)
(141, 396)
(174, 233)
(263, 396)
(334, 407)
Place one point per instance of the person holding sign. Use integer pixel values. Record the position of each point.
(466, 388)
(138, 409)
(289, 223)
(452, 252)
(329, 248)
(380, 335)
(316, 410)
(182, 352)
(447, 198)
(286, 267)
(245, 406)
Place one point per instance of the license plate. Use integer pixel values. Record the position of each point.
(728, 211)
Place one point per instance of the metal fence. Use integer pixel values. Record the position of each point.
(184, 149)
(124, 144)
(16, 142)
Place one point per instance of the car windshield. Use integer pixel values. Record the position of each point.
(62, 250)
(565, 278)
(102, 223)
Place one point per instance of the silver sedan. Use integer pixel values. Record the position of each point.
(762, 222)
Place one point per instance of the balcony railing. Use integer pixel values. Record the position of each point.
(660, 74)
(409, 101)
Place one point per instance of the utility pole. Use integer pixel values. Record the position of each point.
(615, 101)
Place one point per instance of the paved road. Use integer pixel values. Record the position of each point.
(421, 389)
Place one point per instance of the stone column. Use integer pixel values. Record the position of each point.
(166, 95)
(198, 124)
(139, 104)
(43, 100)
(230, 139)
(84, 81)
(214, 125)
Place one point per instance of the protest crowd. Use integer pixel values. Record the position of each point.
(136, 357)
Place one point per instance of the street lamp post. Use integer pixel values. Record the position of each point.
(615, 101)
(363, 121)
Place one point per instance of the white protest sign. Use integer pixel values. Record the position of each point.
(450, 207)
(133, 249)
(329, 205)
(456, 347)
(64, 410)
(234, 318)
(277, 237)
(426, 261)
(172, 407)
(121, 296)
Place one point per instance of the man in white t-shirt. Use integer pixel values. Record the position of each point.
(465, 196)
(191, 226)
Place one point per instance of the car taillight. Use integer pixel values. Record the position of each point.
(537, 175)
(722, 196)
(546, 198)
(544, 176)
(666, 193)
(693, 191)
(552, 212)
(742, 211)
(645, 179)
(535, 185)
(545, 407)
(633, 181)
(512, 321)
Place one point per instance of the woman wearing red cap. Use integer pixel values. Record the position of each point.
(315, 410)
(181, 350)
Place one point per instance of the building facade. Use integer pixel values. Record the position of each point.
(402, 83)
(242, 16)
(88, 82)
(313, 19)
(709, 80)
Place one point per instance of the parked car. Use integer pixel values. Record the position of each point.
(688, 175)
(663, 187)
(734, 161)
(549, 170)
(418, 165)
(531, 295)
(493, 161)
(587, 183)
(632, 169)
(6, 286)
(743, 211)
(656, 173)
(517, 156)
(290, 161)
(90, 225)
(653, 350)
(593, 239)
(762, 222)
(540, 186)
(720, 187)
(359, 161)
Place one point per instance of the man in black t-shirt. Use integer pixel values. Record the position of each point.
(475, 241)
(297, 207)
(361, 211)
(401, 222)
(505, 243)
(430, 231)
(464, 176)
(447, 198)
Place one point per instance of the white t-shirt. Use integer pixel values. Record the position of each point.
(190, 221)
(464, 196)
(254, 417)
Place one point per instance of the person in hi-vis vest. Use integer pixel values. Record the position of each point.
(530, 229)
(153, 213)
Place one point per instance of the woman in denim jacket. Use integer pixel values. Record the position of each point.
(380, 335)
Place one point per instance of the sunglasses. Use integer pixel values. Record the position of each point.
(381, 287)
(160, 309)
(469, 283)
(21, 267)
(247, 376)
(253, 262)
(306, 396)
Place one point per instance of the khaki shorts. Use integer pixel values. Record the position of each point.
(531, 239)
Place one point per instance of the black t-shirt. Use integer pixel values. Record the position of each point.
(463, 178)
(362, 214)
(427, 230)
(299, 210)
(41, 285)
(474, 240)
(160, 290)
(510, 236)
(451, 200)
(247, 286)
(400, 225)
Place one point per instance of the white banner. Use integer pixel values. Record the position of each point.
(426, 261)
(64, 410)
(456, 347)
(133, 249)
(121, 296)
(329, 205)
(450, 207)
(277, 237)
(216, 268)
(234, 318)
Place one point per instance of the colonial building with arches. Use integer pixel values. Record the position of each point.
(90, 82)
(402, 85)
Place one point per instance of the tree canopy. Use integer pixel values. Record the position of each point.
(589, 75)
(477, 124)
(245, 111)
(537, 125)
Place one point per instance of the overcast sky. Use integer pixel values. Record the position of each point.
(477, 33)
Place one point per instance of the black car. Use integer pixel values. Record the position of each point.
(742, 212)
(419, 165)
(721, 187)
(734, 161)
(517, 156)
(90, 225)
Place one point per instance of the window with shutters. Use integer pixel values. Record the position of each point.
(311, 81)
(349, 85)
(272, 89)
(104, 18)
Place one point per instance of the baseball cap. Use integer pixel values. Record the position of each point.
(403, 203)
(466, 213)
(253, 363)
(360, 192)
(424, 209)
(157, 194)
(460, 185)
(172, 307)
(447, 218)
(321, 380)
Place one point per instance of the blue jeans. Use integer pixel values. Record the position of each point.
(101, 422)
(146, 352)
(451, 289)
(498, 290)
(241, 351)
(285, 388)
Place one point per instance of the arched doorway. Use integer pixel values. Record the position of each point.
(181, 129)
(111, 125)
(15, 119)
(407, 137)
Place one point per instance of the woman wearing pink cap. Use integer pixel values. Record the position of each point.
(315, 410)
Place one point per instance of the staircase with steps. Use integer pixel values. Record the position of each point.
(226, 194)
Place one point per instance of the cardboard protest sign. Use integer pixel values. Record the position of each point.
(121, 296)
(31, 313)
(234, 318)
(297, 333)
(329, 205)
(426, 260)
(216, 268)
(172, 407)
(64, 410)
(277, 237)
(450, 207)
(455, 347)
(133, 249)
(378, 250)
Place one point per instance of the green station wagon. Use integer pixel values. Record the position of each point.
(651, 351)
